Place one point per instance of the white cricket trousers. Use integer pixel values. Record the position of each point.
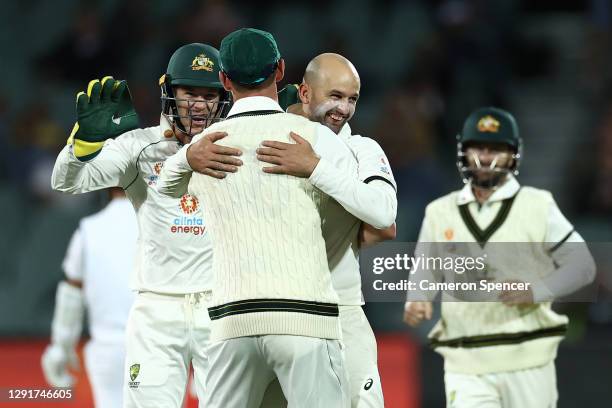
(531, 388)
(310, 372)
(361, 357)
(104, 364)
(165, 334)
(361, 362)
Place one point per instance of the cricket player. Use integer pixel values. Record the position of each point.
(500, 353)
(97, 265)
(328, 95)
(168, 324)
(274, 312)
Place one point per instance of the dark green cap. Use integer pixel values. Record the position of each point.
(248, 56)
(194, 65)
(491, 125)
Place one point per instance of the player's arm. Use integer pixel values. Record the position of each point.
(201, 155)
(92, 158)
(67, 320)
(418, 306)
(374, 202)
(575, 266)
(369, 236)
(373, 164)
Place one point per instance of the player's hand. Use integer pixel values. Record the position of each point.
(55, 362)
(295, 159)
(104, 111)
(416, 312)
(517, 297)
(205, 157)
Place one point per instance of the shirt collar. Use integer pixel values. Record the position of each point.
(345, 132)
(164, 124)
(254, 103)
(507, 190)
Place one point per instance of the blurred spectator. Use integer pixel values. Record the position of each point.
(85, 52)
(209, 21)
(32, 146)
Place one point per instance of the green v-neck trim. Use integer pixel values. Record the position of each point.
(483, 236)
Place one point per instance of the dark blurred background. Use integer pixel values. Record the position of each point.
(424, 65)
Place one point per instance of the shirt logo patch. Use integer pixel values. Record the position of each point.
(190, 223)
(189, 204)
(384, 168)
(134, 371)
(157, 167)
(449, 234)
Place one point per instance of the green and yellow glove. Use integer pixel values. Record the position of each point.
(104, 112)
(288, 96)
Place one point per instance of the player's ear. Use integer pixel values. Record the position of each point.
(304, 93)
(225, 81)
(280, 71)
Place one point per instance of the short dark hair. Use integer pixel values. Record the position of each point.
(245, 88)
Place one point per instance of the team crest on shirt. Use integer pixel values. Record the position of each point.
(488, 124)
(202, 62)
(189, 204)
(157, 167)
(134, 371)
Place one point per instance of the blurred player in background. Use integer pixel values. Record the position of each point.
(97, 265)
(500, 353)
(328, 95)
(275, 313)
(168, 325)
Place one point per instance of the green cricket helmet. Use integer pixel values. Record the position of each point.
(195, 65)
(489, 125)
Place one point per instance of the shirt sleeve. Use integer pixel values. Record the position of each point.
(374, 203)
(113, 167)
(558, 228)
(373, 162)
(574, 263)
(73, 260)
(176, 174)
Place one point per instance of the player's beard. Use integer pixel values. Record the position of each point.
(323, 114)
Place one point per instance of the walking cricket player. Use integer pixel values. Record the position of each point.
(274, 312)
(97, 264)
(500, 353)
(168, 324)
(328, 95)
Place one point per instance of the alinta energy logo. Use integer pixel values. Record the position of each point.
(188, 224)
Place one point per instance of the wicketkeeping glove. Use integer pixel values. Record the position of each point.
(104, 112)
(55, 362)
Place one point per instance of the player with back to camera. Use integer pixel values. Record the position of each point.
(275, 313)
